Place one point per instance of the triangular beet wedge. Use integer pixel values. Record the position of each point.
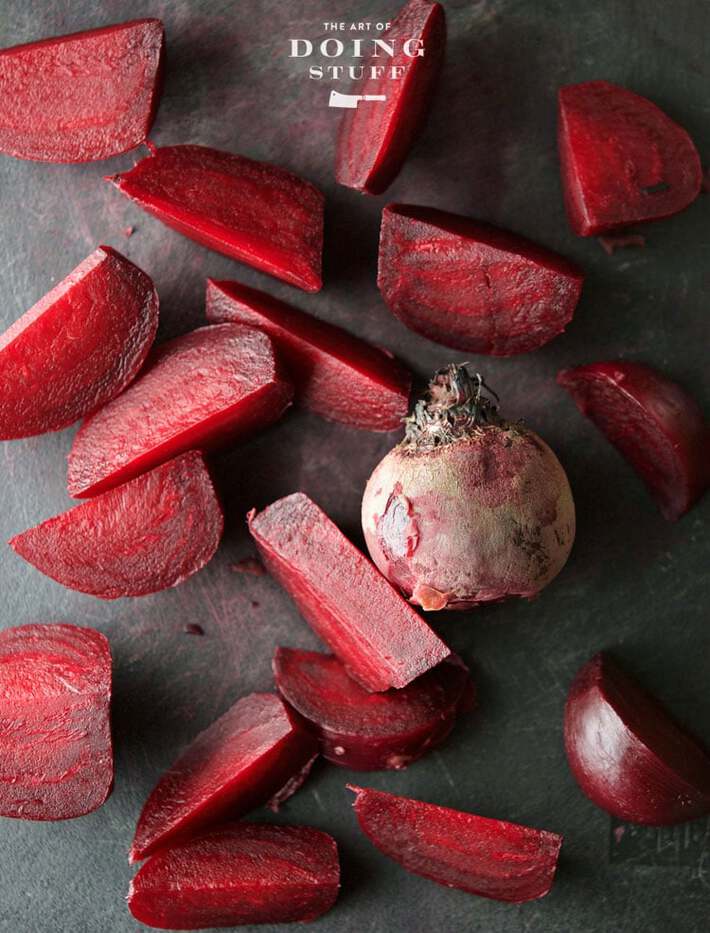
(375, 136)
(491, 858)
(623, 160)
(252, 211)
(85, 96)
(55, 742)
(336, 375)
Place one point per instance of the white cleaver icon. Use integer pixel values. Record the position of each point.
(350, 101)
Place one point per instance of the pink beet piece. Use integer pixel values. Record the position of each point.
(623, 160)
(240, 873)
(78, 347)
(491, 858)
(380, 638)
(203, 390)
(56, 758)
(89, 95)
(252, 211)
(471, 286)
(653, 423)
(336, 375)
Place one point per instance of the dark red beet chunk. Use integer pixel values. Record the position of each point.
(336, 375)
(56, 759)
(623, 160)
(252, 211)
(76, 98)
(471, 286)
(653, 422)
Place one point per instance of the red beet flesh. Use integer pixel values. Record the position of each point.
(56, 757)
(203, 390)
(623, 160)
(255, 212)
(491, 858)
(626, 752)
(654, 424)
(76, 98)
(240, 873)
(336, 375)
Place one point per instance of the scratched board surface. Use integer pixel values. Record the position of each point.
(635, 584)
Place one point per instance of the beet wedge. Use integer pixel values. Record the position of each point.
(375, 137)
(491, 858)
(252, 211)
(336, 375)
(78, 347)
(379, 637)
(89, 95)
(147, 535)
(652, 422)
(238, 763)
(203, 390)
(623, 160)
(471, 286)
(56, 758)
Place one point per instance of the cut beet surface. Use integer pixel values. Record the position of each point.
(471, 286)
(56, 759)
(252, 211)
(336, 375)
(89, 95)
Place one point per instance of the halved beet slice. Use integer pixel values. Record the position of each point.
(149, 534)
(78, 347)
(244, 758)
(56, 758)
(89, 95)
(375, 137)
(379, 637)
(203, 390)
(252, 211)
(653, 423)
(623, 160)
(240, 873)
(336, 375)
(471, 286)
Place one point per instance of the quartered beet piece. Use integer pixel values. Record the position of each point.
(336, 375)
(78, 347)
(252, 211)
(379, 637)
(653, 422)
(203, 390)
(149, 534)
(471, 286)
(56, 759)
(491, 858)
(375, 136)
(89, 95)
(240, 873)
(623, 160)
(244, 758)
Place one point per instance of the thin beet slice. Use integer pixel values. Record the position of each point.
(653, 423)
(471, 286)
(149, 534)
(56, 758)
(78, 347)
(203, 390)
(336, 375)
(252, 211)
(89, 95)
(623, 160)
(379, 637)
(240, 873)
(242, 760)
(491, 858)
(375, 137)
